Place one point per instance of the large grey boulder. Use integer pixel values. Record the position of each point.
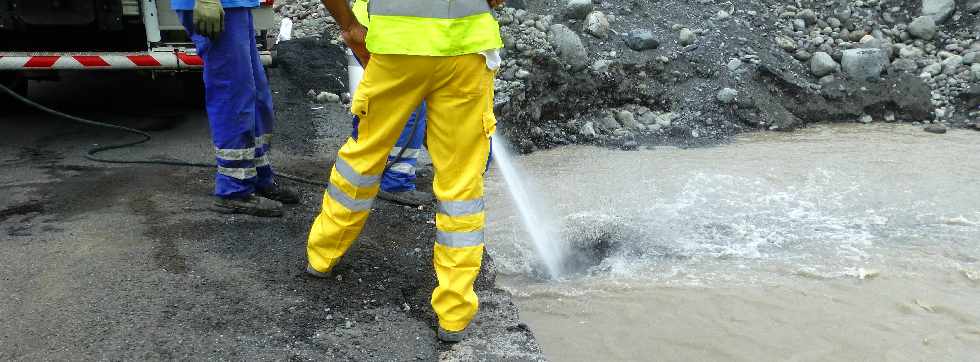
(923, 27)
(628, 120)
(971, 57)
(952, 64)
(871, 42)
(569, 46)
(687, 37)
(911, 52)
(864, 64)
(641, 39)
(823, 64)
(786, 43)
(597, 24)
(938, 10)
(578, 9)
(973, 6)
(933, 69)
(903, 65)
(727, 96)
(588, 130)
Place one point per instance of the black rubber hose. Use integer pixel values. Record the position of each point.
(401, 153)
(92, 154)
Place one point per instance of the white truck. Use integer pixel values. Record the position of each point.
(40, 38)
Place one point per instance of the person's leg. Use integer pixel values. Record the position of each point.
(400, 176)
(459, 129)
(230, 102)
(392, 87)
(264, 116)
(398, 181)
(265, 183)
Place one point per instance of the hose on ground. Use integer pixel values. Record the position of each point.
(92, 154)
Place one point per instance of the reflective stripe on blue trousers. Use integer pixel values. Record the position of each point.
(400, 176)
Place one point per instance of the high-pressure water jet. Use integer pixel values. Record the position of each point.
(536, 217)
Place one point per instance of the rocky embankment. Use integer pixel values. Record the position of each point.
(625, 73)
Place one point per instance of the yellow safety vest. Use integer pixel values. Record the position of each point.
(431, 27)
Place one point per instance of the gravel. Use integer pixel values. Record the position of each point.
(565, 65)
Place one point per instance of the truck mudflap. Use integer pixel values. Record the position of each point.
(172, 60)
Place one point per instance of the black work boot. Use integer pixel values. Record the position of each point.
(318, 274)
(279, 193)
(409, 198)
(251, 205)
(451, 337)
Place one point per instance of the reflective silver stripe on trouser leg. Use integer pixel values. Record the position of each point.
(411, 153)
(352, 204)
(238, 173)
(262, 143)
(460, 240)
(235, 154)
(440, 9)
(354, 177)
(461, 208)
(404, 168)
(263, 140)
(261, 161)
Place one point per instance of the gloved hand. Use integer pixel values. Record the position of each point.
(209, 18)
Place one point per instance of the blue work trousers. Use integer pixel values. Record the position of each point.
(400, 176)
(239, 104)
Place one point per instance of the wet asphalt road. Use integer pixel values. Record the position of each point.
(125, 262)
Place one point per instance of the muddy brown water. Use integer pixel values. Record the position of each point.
(836, 242)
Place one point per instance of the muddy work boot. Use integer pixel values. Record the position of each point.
(251, 205)
(451, 337)
(408, 198)
(279, 193)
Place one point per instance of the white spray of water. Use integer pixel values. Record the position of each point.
(538, 222)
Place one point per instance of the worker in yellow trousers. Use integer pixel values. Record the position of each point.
(444, 53)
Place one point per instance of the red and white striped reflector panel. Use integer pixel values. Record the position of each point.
(93, 61)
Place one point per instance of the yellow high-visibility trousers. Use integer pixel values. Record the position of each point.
(459, 95)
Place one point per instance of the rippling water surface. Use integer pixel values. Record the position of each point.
(831, 242)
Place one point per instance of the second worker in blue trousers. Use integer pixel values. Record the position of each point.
(398, 181)
(239, 105)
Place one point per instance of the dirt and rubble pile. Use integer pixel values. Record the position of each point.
(618, 72)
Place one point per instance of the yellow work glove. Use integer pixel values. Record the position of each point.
(209, 18)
